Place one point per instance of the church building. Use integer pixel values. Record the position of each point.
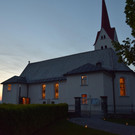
(93, 76)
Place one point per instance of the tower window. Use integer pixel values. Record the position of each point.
(101, 47)
(104, 36)
(105, 46)
(122, 87)
(101, 37)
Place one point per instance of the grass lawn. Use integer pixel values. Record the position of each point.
(65, 127)
(123, 121)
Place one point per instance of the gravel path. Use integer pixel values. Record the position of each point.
(97, 123)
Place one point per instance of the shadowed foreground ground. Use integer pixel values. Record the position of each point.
(67, 128)
(96, 122)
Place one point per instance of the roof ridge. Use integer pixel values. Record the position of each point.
(93, 51)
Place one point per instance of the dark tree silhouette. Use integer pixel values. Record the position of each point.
(126, 50)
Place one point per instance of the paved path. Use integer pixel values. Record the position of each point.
(97, 123)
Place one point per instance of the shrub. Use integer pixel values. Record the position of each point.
(26, 119)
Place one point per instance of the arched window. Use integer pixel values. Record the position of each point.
(101, 47)
(122, 87)
(105, 46)
(56, 86)
(43, 91)
(104, 36)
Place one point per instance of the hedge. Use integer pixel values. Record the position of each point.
(27, 119)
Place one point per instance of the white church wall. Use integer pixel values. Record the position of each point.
(23, 90)
(94, 89)
(10, 96)
(35, 93)
(69, 89)
(104, 41)
(108, 88)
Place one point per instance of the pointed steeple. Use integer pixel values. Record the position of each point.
(106, 32)
(105, 19)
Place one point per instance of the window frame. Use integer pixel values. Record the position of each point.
(84, 100)
(25, 100)
(43, 91)
(56, 96)
(85, 81)
(122, 87)
(9, 87)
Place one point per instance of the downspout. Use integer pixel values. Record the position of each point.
(28, 99)
(113, 82)
(19, 93)
(114, 103)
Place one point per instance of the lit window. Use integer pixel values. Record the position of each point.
(56, 90)
(25, 100)
(122, 87)
(9, 87)
(43, 91)
(83, 80)
(84, 98)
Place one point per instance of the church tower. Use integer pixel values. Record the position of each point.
(107, 34)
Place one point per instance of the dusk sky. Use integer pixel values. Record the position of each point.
(36, 30)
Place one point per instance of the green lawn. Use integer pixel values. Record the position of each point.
(67, 128)
(123, 121)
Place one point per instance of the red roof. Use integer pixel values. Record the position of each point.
(110, 33)
(105, 19)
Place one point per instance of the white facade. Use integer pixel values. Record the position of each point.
(98, 84)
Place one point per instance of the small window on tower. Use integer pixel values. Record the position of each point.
(105, 46)
(101, 37)
(104, 36)
(101, 47)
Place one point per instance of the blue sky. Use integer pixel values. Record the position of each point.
(36, 30)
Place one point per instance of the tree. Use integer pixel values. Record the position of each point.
(126, 50)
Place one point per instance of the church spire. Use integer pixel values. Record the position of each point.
(106, 33)
(105, 19)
